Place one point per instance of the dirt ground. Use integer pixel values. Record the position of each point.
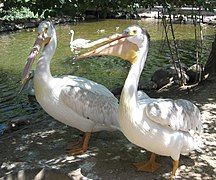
(38, 150)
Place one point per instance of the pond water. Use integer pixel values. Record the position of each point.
(111, 72)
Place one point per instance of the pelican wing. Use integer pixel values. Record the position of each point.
(90, 104)
(88, 85)
(175, 114)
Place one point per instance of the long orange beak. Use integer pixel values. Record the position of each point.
(116, 45)
(36, 48)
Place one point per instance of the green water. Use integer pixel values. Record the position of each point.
(109, 71)
(15, 47)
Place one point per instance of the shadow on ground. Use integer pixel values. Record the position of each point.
(39, 149)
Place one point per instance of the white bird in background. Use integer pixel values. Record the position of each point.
(77, 43)
(162, 126)
(100, 31)
(74, 101)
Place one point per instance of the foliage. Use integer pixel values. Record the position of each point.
(8, 4)
(74, 8)
(16, 14)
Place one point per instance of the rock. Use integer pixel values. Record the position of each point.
(161, 77)
(117, 91)
(175, 75)
(15, 124)
(147, 85)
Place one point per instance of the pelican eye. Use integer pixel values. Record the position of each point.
(134, 31)
(45, 30)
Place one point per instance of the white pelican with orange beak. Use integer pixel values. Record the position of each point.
(162, 126)
(74, 101)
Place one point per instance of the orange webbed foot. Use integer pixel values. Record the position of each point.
(149, 166)
(79, 147)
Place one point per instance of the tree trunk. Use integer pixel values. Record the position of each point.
(210, 66)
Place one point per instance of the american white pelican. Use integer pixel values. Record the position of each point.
(74, 101)
(77, 43)
(162, 126)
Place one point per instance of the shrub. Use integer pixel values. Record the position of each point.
(17, 14)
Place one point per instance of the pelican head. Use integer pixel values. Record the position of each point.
(46, 29)
(45, 33)
(126, 45)
(136, 35)
(72, 31)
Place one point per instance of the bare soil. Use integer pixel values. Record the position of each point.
(38, 149)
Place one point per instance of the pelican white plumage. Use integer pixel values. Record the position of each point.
(162, 126)
(74, 101)
(77, 43)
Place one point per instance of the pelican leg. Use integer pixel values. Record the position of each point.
(175, 167)
(149, 166)
(81, 146)
(74, 145)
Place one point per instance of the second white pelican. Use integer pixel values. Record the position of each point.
(77, 43)
(162, 126)
(74, 101)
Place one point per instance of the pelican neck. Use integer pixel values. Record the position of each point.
(129, 92)
(43, 66)
(72, 36)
